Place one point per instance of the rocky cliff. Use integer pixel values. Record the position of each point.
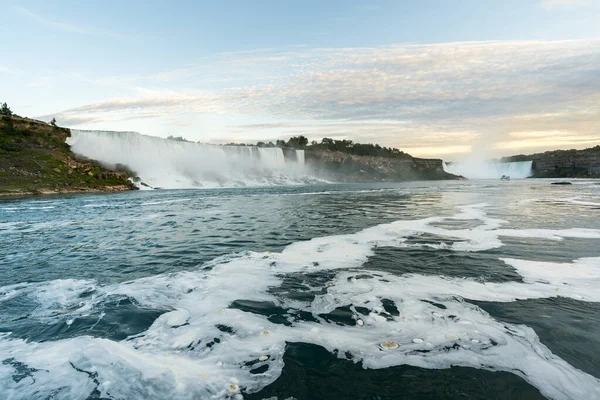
(34, 159)
(342, 167)
(563, 163)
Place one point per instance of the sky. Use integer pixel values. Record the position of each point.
(435, 78)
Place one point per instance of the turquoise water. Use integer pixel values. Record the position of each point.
(485, 289)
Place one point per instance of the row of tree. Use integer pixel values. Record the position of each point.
(359, 149)
(328, 144)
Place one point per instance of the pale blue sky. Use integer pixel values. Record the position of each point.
(436, 78)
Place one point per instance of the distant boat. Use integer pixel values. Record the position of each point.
(505, 178)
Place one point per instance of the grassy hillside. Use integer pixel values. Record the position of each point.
(34, 159)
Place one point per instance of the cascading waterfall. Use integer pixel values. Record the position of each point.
(300, 156)
(490, 170)
(271, 157)
(173, 164)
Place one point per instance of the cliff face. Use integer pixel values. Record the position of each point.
(342, 167)
(34, 159)
(563, 163)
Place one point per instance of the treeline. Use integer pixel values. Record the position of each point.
(359, 149)
(328, 144)
(529, 157)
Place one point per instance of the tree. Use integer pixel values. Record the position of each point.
(177, 138)
(5, 110)
(53, 122)
(297, 142)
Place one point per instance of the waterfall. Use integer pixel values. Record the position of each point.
(300, 157)
(271, 157)
(490, 170)
(173, 164)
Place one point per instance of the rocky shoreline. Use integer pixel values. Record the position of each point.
(35, 160)
(17, 192)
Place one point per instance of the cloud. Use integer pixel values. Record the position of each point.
(418, 97)
(65, 26)
(561, 4)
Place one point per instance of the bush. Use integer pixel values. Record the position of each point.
(10, 146)
(297, 142)
(5, 110)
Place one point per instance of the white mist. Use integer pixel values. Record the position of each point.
(172, 164)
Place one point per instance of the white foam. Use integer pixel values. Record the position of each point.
(177, 357)
(576, 200)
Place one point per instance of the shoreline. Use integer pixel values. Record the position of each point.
(48, 192)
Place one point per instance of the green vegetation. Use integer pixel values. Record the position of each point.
(5, 111)
(358, 149)
(297, 142)
(590, 151)
(566, 172)
(34, 158)
(330, 145)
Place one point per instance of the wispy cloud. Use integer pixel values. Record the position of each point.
(66, 26)
(410, 96)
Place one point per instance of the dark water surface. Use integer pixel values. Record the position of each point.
(486, 290)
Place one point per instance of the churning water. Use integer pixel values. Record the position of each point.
(417, 290)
